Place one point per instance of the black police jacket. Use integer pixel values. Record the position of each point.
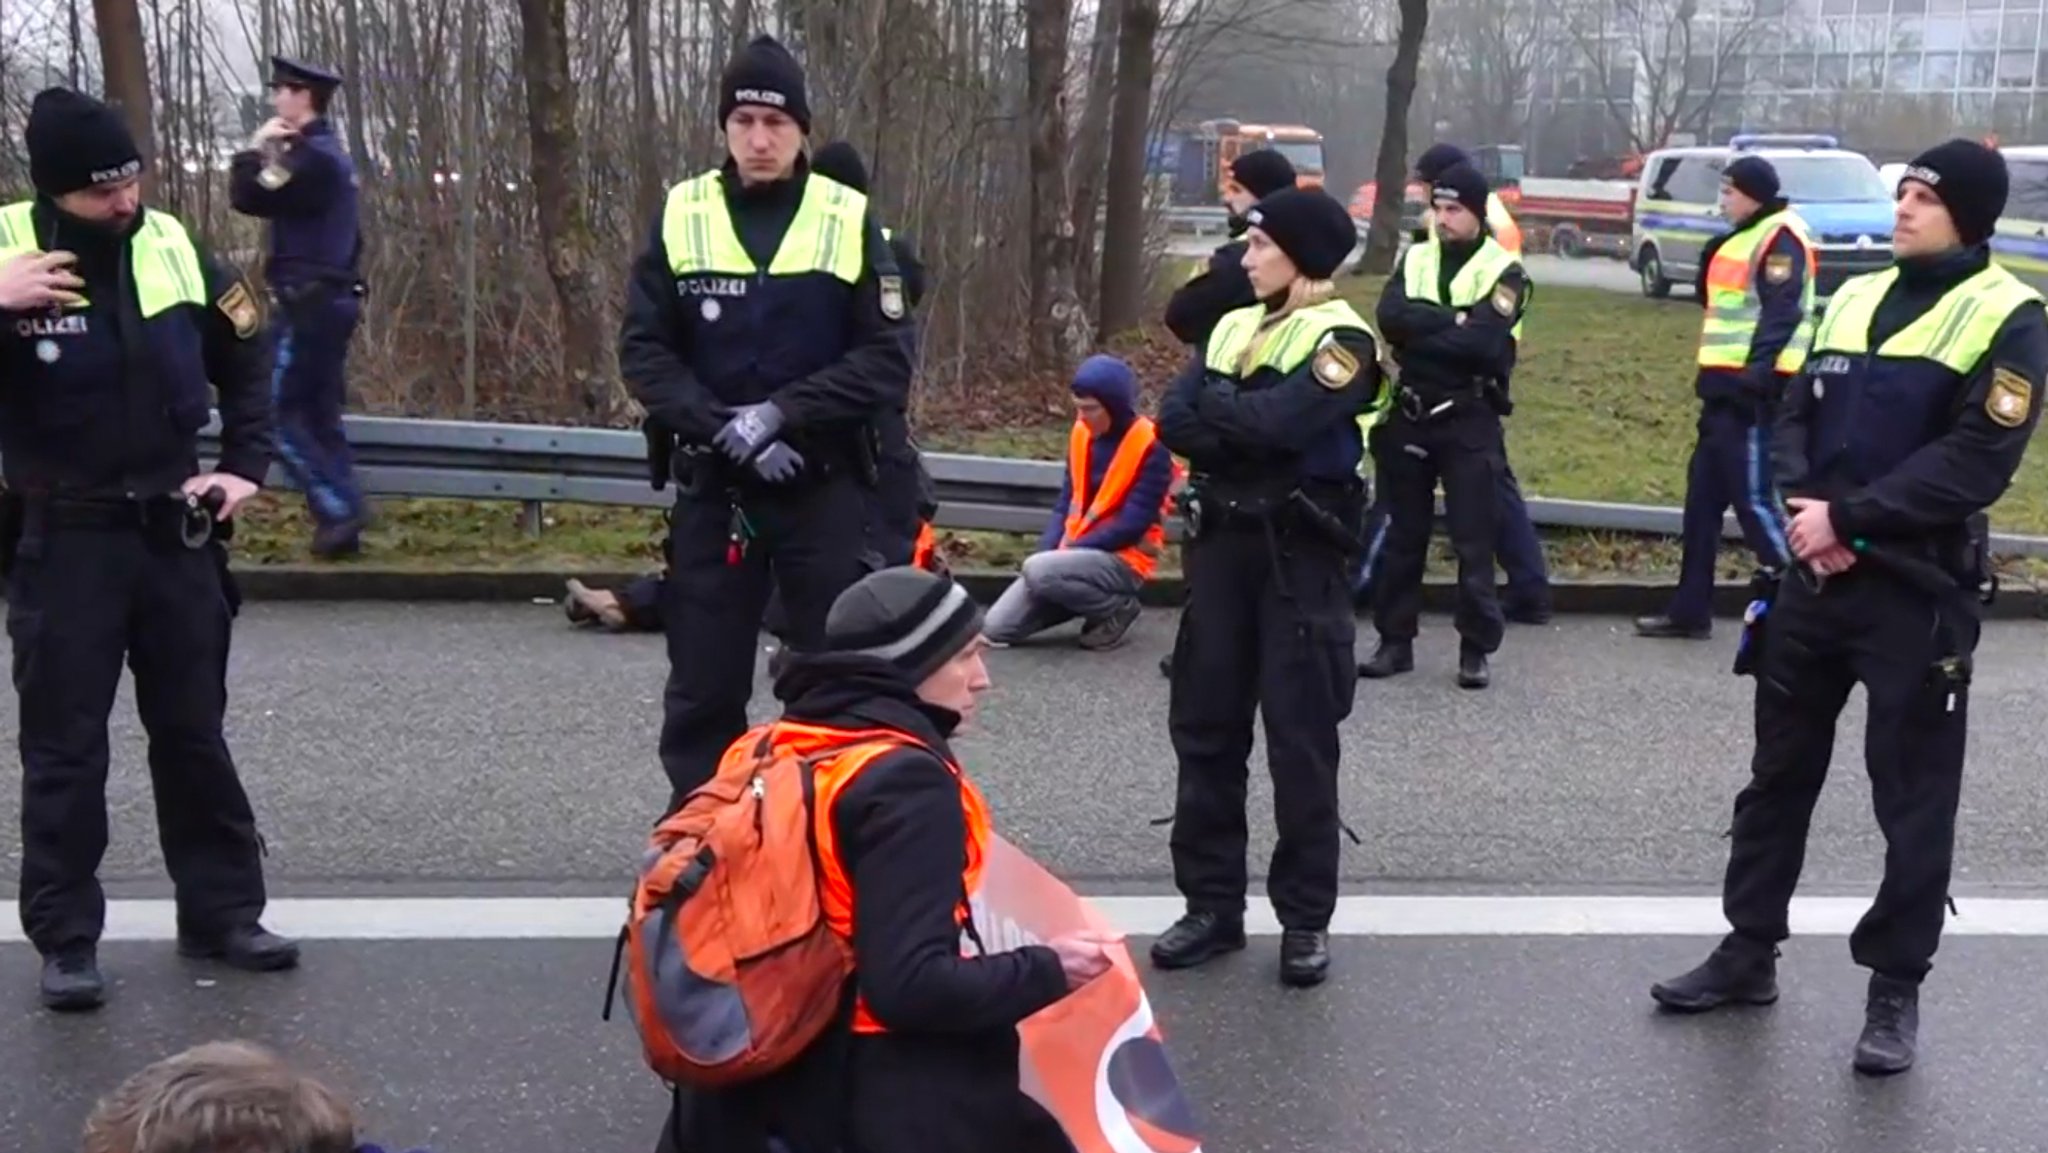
(100, 402)
(829, 355)
(313, 209)
(1221, 288)
(1438, 355)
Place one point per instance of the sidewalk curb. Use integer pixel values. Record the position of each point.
(349, 582)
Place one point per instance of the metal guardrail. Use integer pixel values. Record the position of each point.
(538, 464)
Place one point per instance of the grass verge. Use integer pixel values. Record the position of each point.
(1604, 411)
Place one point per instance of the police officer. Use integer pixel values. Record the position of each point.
(297, 175)
(1914, 412)
(1268, 419)
(1516, 545)
(763, 331)
(1756, 283)
(113, 544)
(1452, 312)
(1221, 288)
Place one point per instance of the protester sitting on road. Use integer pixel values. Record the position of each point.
(1107, 530)
(222, 1097)
(928, 1058)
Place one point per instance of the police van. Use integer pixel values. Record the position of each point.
(1845, 203)
(2021, 243)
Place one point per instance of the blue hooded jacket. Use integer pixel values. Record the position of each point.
(1109, 380)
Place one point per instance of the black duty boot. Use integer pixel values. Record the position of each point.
(1664, 628)
(1738, 972)
(1391, 658)
(1891, 1026)
(251, 948)
(1166, 666)
(71, 981)
(1197, 938)
(1304, 957)
(1472, 671)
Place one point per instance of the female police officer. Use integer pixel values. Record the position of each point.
(1268, 420)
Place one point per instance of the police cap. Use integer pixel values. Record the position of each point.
(297, 74)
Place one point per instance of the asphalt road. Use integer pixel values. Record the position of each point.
(488, 752)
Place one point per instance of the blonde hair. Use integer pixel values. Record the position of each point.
(223, 1097)
(1302, 293)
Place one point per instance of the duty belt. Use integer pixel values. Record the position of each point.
(1422, 410)
(188, 521)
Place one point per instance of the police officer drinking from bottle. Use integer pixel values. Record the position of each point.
(113, 544)
(1452, 312)
(1267, 418)
(763, 332)
(297, 175)
(1915, 409)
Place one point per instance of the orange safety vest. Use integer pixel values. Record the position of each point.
(1084, 513)
(861, 748)
(927, 547)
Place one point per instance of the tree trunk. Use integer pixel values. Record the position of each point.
(587, 356)
(1123, 225)
(1059, 325)
(124, 60)
(1392, 173)
(649, 166)
(1091, 143)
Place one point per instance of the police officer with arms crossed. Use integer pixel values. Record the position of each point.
(112, 548)
(1452, 312)
(1222, 288)
(297, 175)
(1756, 282)
(1268, 419)
(763, 332)
(1918, 401)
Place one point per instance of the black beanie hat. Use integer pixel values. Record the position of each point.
(764, 73)
(841, 161)
(77, 142)
(1310, 226)
(914, 620)
(1262, 172)
(1754, 177)
(1462, 183)
(1970, 180)
(1438, 159)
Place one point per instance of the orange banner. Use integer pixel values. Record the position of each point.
(1095, 1059)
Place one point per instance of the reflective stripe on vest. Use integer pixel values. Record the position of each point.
(1473, 283)
(1283, 346)
(825, 236)
(164, 260)
(1956, 333)
(860, 748)
(1087, 510)
(1734, 308)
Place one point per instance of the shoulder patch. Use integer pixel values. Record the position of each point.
(2010, 400)
(892, 296)
(1777, 268)
(1334, 365)
(1505, 298)
(238, 304)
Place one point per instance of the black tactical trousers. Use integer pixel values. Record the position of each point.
(80, 602)
(1864, 626)
(1268, 627)
(808, 541)
(1463, 449)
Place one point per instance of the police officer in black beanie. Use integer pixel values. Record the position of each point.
(1912, 416)
(111, 541)
(1267, 418)
(1452, 311)
(764, 329)
(1197, 305)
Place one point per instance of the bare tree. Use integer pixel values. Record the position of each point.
(1680, 55)
(1384, 238)
(124, 57)
(1123, 229)
(1478, 60)
(1059, 325)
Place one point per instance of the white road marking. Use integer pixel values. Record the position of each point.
(576, 918)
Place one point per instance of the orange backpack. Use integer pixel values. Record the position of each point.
(731, 969)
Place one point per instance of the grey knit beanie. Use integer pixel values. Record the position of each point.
(906, 616)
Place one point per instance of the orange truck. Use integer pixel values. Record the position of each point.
(1203, 155)
(1581, 215)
